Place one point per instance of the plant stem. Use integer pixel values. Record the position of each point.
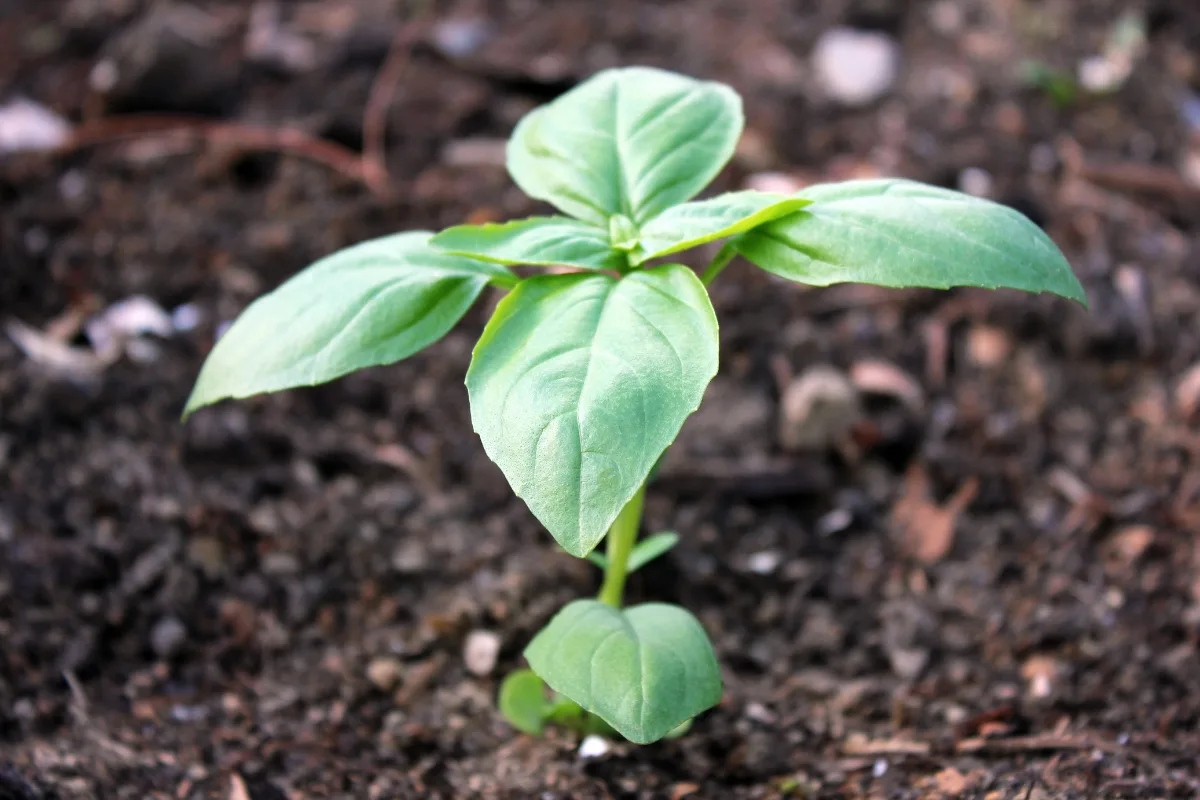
(718, 264)
(621, 538)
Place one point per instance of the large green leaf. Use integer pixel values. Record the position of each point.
(632, 141)
(645, 670)
(581, 381)
(902, 233)
(545, 241)
(689, 225)
(374, 303)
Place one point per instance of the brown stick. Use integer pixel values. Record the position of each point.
(237, 135)
(379, 99)
(976, 745)
(1136, 177)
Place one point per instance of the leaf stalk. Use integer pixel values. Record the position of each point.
(621, 538)
(719, 263)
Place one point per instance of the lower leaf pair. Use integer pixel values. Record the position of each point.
(644, 671)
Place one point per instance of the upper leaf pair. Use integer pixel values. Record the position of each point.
(622, 154)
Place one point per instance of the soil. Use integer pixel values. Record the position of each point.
(989, 588)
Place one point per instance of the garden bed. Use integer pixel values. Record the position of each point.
(273, 600)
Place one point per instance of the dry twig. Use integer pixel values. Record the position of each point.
(231, 134)
(383, 89)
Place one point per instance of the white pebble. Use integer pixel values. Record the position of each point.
(593, 746)
(480, 652)
(856, 67)
(975, 181)
(29, 126)
(186, 317)
(764, 562)
(104, 76)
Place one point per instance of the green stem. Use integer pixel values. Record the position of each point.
(718, 264)
(621, 538)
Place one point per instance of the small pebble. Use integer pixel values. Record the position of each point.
(778, 182)
(186, 317)
(167, 637)
(593, 746)
(459, 38)
(818, 410)
(764, 562)
(947, 17)
(207, 553)
(26, 126)
(480, 652)
(988, 346)
(880, 769)
(759, 713)
(280, 563)
(37, 240)
(384, 672)
(104, 76)
(856, 67)
(976, 182)
(72, 185)
(835, 521)
(908, 662)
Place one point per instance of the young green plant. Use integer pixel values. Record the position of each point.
(590, 365)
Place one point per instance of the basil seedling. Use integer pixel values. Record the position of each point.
(583, 377)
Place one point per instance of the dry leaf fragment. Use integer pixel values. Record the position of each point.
(924, 529)
(874, 376)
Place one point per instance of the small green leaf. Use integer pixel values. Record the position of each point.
(689, 225)
(643, 552)
(622, 233)
(543, 241)
(645, 670)
(523, 701)
(901, 233)
(580, 382)
(679, 731)
(632, 141)
(651, 548)
(375, 303)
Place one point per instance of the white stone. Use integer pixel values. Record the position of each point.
(593, 746)
(29, 126)
(480, 652)
(856, 67)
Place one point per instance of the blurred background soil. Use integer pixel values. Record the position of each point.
(946, 544)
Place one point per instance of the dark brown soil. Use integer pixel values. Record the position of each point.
(190, 610)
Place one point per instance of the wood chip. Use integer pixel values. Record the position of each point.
(682, 790)
(952, 782)
(1187, 392)
(988, 346)
(237, 788)
(1129, 543)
